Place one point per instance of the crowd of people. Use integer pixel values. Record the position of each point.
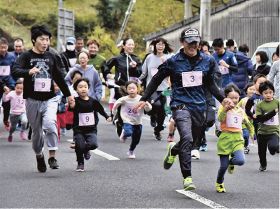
(196, 87)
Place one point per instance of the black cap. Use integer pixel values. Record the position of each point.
(190, 35)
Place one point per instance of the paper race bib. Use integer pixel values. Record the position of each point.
(234, 120)
(42, 84)
(273, 121)
(72, 61)
(154, 71)
(130, 112)
(5, 70)
(86, 119)
(223, 70)
(193, 78)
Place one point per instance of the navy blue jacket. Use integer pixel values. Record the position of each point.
(194, 98)
(7, 60)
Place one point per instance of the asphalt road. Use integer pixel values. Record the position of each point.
(127, 183)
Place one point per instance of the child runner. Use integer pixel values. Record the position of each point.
(132, 120)
(249, 90)
(231, 143)
(85, 110)
(111, 87)
(268, 118)
(17, 112)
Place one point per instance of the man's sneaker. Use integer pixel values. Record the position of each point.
(262, 168)
(122, 137)
(53, 163)
(80, 167)
(131, 155)
(246, 150)
(157, 136)
(41, 165)
(170, 138)
(195, 154)
(6, 125)
(72, 145)
(10, 138)
(188, 184)
(23, 135)
(203, 148)
(169, 159)
(87, 155)
(230, 169)
(220, 188)
(153, 123)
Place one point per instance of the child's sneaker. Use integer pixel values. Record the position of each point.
(203, 148)
(188, 184)
(195, 154)
(80, 167)
(7, 125)
(23, 135)
(246, 150)
(122, 137)
(220, 188)
(10, 138)
(131, 155)
(230, 169)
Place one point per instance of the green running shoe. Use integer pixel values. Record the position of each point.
(220, 188)
(169, 159)
(188, 184)
(230, 169)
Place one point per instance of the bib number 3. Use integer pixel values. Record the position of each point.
(193, 78)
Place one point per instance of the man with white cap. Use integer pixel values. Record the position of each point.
(191, 72)
(69, 57)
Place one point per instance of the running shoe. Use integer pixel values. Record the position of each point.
(10, 138)
(131, 155)
(188, 184)
(169, 159)
(41, 165)
(262, 168)
(220, 188)
(230, 169)
(246, 150)
(122, 137)
(195, 154)
(157, 136)
(203, 148)
(53, 163)
(87, 155)
(80, 167)
(23, 135)
(6, 125)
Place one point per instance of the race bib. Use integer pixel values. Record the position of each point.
(130, 111)
(234, 120)
(72, 61)
(273, 121)
(86, 119)
(5, 70)
(223, 70)
(193, 78)
(42, 84)
(154, 71)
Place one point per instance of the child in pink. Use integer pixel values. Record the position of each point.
(17, 111)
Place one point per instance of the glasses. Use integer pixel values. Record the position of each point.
(160, 44)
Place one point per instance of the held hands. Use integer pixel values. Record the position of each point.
(34, 70)
(6, 89)
(109, 119)
(228, 104)
(140, 105)
(223, 63)
(133, 64)
(71, 101)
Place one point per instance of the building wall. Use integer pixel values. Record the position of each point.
(253, 22)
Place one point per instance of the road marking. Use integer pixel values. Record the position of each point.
(201, 199)
(70, 140)
(104, 154)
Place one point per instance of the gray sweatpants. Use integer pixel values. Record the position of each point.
(42, 118)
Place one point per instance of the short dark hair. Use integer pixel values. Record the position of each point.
(263, 56)
(93, 41)
(19, 81)
(4, 41)
(74, 73)
(230, 42)
(243, 48)
(130, 82)
(79, 81)
(250, 84)
(266, 85)
(218, 42)
(256, 77)
(39, 30)
(124, 42)
(231, 87)
(19, 39)
(204, 43)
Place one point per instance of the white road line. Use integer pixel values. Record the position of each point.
(201, 199)
(104, 154)
(70, 140)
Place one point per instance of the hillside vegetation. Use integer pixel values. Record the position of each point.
(100, 19)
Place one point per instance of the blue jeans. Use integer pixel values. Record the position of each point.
(238, 158)
(133, 131)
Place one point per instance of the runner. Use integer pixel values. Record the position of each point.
(39, 68)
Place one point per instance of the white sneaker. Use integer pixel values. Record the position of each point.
(195, 154)
(131, 155)
(122, 137)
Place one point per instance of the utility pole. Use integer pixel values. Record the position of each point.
(188, 9)
(58, 42)
(205, 19)
(127, 14)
